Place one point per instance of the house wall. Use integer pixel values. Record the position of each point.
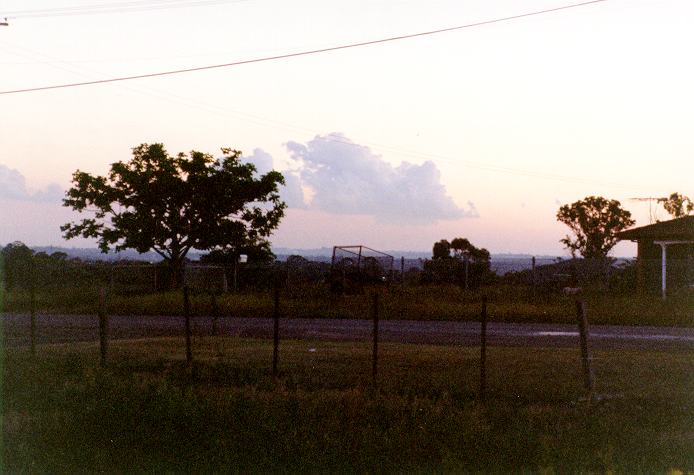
(680, 266)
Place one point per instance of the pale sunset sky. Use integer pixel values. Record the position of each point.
(481, 132)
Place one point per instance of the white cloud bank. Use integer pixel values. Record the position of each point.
(291, 192)
(13, 187)
(347, 178)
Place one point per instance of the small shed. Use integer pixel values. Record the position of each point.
(665, 256)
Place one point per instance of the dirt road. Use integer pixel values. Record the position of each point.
(67, 328)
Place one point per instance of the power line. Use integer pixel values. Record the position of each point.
(305, 53)
(274, 123)
(264, 121)
(118, 7)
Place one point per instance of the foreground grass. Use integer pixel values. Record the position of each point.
(149, 412)
(506, 303)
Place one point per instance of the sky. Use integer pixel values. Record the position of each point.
(481, 132)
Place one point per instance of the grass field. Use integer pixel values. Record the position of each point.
(506, 303)
(149, 412)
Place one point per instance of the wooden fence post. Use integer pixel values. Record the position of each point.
(32, 308)
(534, 276)
(483, 350)
(276, 328)
(467, 265)
(215, 313)
(588, 379)
(186, 314)
(402, 270)
(103, 326)
(374, 369)
(236, 275)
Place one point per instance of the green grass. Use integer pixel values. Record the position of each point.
(148, 412)
(506, 303)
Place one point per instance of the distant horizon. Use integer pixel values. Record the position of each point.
(481, 132)
(287, 251)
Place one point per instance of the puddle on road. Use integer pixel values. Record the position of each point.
(555, 334)
(625, 336)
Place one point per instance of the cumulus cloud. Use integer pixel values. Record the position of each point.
(291, 192)
(261, 159)
(348, 178)
(13, 187)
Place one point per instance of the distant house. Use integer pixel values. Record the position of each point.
(665, 254)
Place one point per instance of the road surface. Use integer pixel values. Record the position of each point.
(69, 328)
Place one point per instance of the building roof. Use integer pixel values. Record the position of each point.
(674, 229)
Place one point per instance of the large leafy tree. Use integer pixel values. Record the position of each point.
(172, 204)
(595, 222)
(457, 261)
(16, 264)
(441, 249)
(677, 205)
(464, 249)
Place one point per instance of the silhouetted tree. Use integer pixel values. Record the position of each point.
(466, 262)
(17, 261)
(463, 249)
(171, 204)
(677, 205)
(441, 250)
(595, 222)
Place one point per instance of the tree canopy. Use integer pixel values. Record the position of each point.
(595, 222)
(677, 205)
(458, 261)
(21, 267)
(461, 248)
(172, 204)
(464, 249)
(441, 250)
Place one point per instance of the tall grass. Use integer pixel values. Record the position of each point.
(436, 302)
(148, 412)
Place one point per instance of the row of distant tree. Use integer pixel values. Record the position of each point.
(171, 204)
(22, 267)
(594, 223)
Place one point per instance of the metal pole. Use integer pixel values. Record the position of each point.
(483, 350)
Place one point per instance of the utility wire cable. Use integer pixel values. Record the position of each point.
(119, 7)
(306, 53)
(226, 112)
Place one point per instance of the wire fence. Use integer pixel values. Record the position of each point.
(545, 274)
(199, 313)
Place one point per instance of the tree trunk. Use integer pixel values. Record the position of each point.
(177, 277)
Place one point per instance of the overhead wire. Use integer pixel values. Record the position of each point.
(263, 121)
(117, 7)
(305, 52)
